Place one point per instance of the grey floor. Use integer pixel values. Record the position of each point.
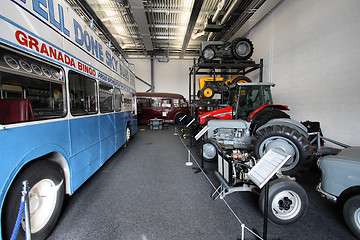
(146, 192)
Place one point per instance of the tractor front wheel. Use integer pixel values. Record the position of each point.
(208, 150)
(207, 92)
(287, 201)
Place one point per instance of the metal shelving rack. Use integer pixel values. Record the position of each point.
(214, 68)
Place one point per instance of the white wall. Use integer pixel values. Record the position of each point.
(171, 77)
(311, 51)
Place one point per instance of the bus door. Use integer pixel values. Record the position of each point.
(85, 145)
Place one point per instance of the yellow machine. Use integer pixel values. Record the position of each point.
(208, 87)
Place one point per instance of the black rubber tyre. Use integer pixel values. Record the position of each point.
(179, 120)
(351, 213)
(207, 92)
(209, 53)
(242, 48)
(46, 180)
(209, 149)
(287, 140)
(264, 116)
(241, 79)
(127, 135)
(288, 201)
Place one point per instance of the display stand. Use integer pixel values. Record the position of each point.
(262, 172)
(201, 168)
(156, 124)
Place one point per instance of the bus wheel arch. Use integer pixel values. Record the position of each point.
(46, 178)
(60, 160)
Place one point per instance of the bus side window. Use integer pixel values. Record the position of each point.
(33, 91)
(83, 89)
(117, 104)
(106, 98)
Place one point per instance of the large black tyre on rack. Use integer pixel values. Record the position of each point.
(208, 53)
(241, 79)
(46, 195)
(288, 201)
(287, 140)
(242, 48)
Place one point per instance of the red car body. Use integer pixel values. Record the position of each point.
(170, 107)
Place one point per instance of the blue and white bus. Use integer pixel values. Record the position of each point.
(67, 104)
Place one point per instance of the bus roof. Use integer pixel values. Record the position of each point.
(152, 94)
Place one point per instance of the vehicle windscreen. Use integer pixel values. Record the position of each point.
(251, 98)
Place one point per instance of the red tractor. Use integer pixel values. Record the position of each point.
(253, 123)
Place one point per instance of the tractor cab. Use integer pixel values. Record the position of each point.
(250, 97)
(244, 101)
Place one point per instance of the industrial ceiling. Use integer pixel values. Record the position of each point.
(169, 28)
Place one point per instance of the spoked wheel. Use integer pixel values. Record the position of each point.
(46, 196)
(286, 140)
(351, 213)
(287, 201)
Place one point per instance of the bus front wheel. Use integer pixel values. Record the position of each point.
(46, 196)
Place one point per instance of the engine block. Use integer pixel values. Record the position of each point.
(230, 134)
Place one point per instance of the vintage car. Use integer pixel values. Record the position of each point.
(340, 183)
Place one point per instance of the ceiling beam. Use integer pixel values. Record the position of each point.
(139, 15)
(242, 19)
(193, 17)
(264, 10)
(83, 4)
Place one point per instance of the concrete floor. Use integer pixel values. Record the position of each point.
(146, 192)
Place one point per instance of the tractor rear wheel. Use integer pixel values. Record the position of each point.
(241, 79)
(289, 141)
(242, 48)
(266, 115)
